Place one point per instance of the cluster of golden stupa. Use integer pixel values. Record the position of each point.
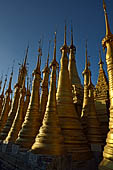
(70, 119)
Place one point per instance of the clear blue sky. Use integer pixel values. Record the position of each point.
(23, 21)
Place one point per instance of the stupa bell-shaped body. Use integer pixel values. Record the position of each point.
(14, 106)
(77, 89)
(31, 124)
(74, 140)
(94, 131)
(107, 42)
(19, 118)
(6, 107)
(49, 141)
(44, 92)
(102, 99)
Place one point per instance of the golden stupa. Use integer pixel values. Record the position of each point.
(19, 118)
(14, 106)
(102, 98)
(77, 88)
(49, 141)
(6, 107)
(32, 122)
(74, 139)
(94, 131)
(107, 42)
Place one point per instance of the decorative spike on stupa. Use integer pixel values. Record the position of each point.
(77, 88)
(65, 43)
(108, 32)
(14, 106)
(107, 42)
(49, 141)
(32, 121)
(1, 81)
(25, 60)
(19, 118)
(76, 143)
(2, 96)
(6, 108)
(4, 86)
(44, 92)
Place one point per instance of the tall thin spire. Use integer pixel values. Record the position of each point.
(100, 61)
(86, 62)
(25, 60)
(65, 34)
(4, 86)
(55, 47)
(108, 32)
(71, 35)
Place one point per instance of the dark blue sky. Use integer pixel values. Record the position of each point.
(23, 21)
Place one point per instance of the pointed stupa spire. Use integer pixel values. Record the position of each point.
(86, 63)
(39, 58)
(2, 96)
(65, 47)
(71, 35)
(100, 61)
(32, 121)
(44, 85)
(19, 118)
(69, 120)
(26, 56)
(6, 108)
(108, 32)
(49, 141)
(1, 79)
(4, 86)
(77, 88)
(65, 43)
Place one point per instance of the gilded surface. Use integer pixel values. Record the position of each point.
(19, 118)
(74, 140)
(77, 89)
(14, 106)
(107, 42)
(31, 124)
(49, 141)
